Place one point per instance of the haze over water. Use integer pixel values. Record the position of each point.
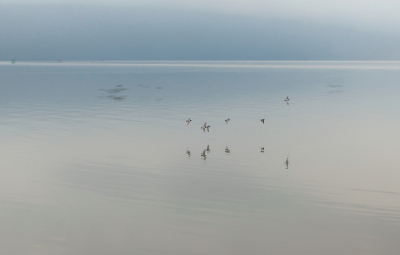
(97, 157)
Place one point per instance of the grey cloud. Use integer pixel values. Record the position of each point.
(84, 32)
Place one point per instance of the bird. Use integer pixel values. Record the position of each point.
(204, 126)
(262, 149)
(262, 120)
(188, 121)
(287, 100)
(227, 120)
(287, 162)
(208, 128)
(203, 155)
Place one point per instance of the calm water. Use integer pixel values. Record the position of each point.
(96, 158)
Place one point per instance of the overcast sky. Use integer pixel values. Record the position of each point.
(199, 30)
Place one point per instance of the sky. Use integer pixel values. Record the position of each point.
(47, 30)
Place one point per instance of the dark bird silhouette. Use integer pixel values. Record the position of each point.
(287, 162)
(203, 155)
(204, 126)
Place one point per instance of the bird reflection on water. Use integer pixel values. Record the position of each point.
(227, 151)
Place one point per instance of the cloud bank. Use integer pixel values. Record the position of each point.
(121, 31)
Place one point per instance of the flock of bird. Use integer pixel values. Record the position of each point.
(227, 151)
(205, 126)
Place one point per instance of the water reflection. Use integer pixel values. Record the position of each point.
(124, 184)
(117, 98)
(112, 92)
(335, 86)
(117, 89)
(227, 150)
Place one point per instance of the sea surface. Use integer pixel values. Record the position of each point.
(97, 157)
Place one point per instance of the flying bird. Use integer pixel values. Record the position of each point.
(204, 126)
(287, 162)
(262, 120)
(203, 155)
(287, 100)
(188, 121)
(227, 120)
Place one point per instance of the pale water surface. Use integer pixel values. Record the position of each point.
(96, 158)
